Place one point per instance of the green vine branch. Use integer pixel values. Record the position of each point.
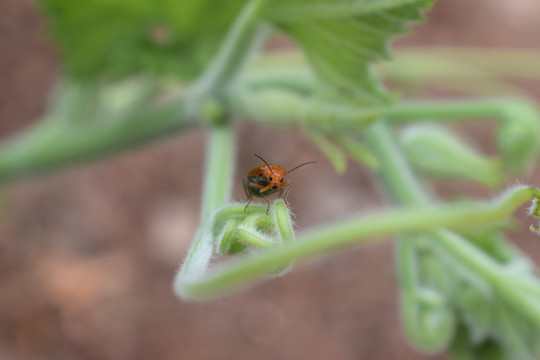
(219, 160)
(339, 106)
(458, 110)
(49, 145)
(224, 278)
(53, 144)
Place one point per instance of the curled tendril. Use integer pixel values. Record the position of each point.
(425, 312)
(534, 210)
(237, 229)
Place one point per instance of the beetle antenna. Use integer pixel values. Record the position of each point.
(266, 164)
(306, 163)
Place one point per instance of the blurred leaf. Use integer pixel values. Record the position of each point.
(490, 325)
(490, 318)
(342, 38)
(358, 151)
(113, 38)
(330, 150)
(463, 349)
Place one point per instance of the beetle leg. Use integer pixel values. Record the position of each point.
(249, 186)
(262, 191)
(248, 193)
(267, 202)
(282, 188)
(285, 197)
(246, 188)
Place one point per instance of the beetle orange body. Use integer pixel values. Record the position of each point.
(266, 179)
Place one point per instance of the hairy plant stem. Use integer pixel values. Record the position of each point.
(362, 229)
(218, 177)
(217, 78)
(398, 178)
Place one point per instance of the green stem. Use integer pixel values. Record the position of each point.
(235, 211)
(398, 177)
(253, 239)
(217, 187)
(49, 145)
(240, 41)
(283, 222)
(437, 63)
(218, 77)
(354, 231)
(518, 135)
(227, 237)
(273, 105)
(463, 63)
(459, 110)
(219, 171)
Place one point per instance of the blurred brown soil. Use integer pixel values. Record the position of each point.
(88, 254)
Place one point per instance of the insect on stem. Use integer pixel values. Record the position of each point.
(265, 180)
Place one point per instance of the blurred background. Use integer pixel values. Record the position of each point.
(88, 254)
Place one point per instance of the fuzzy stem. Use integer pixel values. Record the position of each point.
(217, 187)
(218, 77)
(253, 239)
(283, 222)
(394, 170)
(358, 230)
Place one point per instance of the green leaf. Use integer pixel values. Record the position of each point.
(332, 152)
(342, 38)
(112, 38)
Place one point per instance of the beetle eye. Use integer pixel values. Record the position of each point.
(281, 180)
(270, 178)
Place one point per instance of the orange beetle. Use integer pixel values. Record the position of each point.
(266, 179)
